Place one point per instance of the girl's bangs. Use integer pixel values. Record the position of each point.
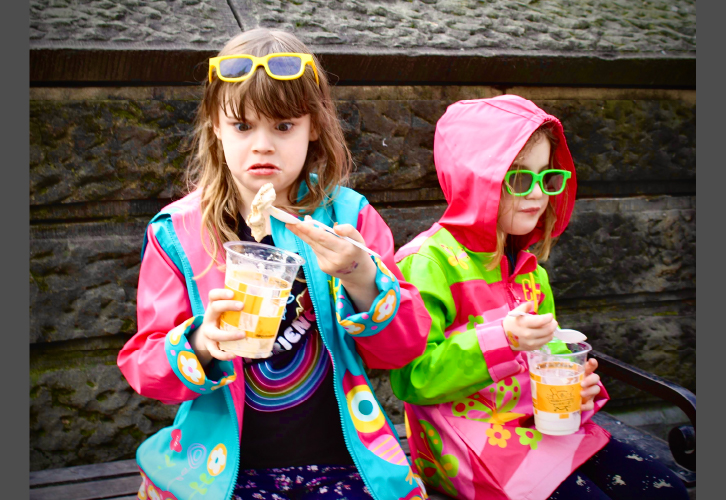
(274, 99)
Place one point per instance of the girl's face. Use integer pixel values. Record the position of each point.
(518, 215)
(263, 150)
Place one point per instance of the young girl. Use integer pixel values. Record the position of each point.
(509, 180)
(305, 422)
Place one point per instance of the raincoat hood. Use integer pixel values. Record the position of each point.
(475, 143)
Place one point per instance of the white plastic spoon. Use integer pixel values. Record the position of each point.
(565, 335)
(285, 217)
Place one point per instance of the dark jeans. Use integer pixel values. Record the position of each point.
(310, 482)
(621, 472)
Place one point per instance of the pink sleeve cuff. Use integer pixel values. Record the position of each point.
(500, 359)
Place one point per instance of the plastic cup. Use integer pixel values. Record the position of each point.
(555, 383)
(261, 276)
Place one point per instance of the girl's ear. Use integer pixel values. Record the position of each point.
(313, 133)
(217, 132)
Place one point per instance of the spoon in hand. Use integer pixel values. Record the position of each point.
(565, 335)
(290, 219)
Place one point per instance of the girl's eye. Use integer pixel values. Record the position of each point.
(242, 127)
(284, 127)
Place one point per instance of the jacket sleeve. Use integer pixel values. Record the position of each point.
(457, 366)
(158, 361)
(393, 331)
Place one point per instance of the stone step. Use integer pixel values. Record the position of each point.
(497, 42)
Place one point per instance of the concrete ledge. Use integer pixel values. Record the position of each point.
(54, 66)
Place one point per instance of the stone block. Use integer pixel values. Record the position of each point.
(626, 246)
(83, 280)
(611, 247)
(653, 332)
(650, 28)
(133, 149)
(135, 23)
(82, 410)
(84, 276)
(85, 151)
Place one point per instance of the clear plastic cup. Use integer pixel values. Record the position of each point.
(261, 276)
(555, 383)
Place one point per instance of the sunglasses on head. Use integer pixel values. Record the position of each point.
(521, 182)
(280, 66)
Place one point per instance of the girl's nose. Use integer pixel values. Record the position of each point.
(262, 143)
(536, 193)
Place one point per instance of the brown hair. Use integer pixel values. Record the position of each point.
(542, 248)
(328, 156)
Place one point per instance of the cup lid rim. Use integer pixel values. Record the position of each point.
(298, 260)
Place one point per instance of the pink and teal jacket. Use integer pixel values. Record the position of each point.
(468, 404)
(197, 457)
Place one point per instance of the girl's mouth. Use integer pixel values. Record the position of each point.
(263, 169)
(530, 211)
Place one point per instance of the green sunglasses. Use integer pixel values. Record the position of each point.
(521, 182)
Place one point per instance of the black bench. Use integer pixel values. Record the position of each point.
(120, 480)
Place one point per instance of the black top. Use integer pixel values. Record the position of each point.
(291, 415)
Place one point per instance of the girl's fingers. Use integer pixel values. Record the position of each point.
(320, 239)
(222, 355)
(349, 231)
(314, 237)
(590, 366)
(215, 335)
(220, 294)
(217, 307)
(591, 381)
(217, 353)
(537, 320)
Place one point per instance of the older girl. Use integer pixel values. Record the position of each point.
(304, 423)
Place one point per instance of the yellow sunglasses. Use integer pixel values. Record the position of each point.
(280, 66)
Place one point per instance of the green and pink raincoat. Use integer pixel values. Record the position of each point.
(468, 403)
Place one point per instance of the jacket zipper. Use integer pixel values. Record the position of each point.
(508, 286)
(232, 411)
(335, 375)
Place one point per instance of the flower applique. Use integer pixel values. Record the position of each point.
(528, 437)
(153, 494)
(496, 409)
(498, 435)
(457, 257)
(217, 460)
(435, 467)
(142, 488)
(225, 381)
(190, 368)
(473, 321)
(352, 327)
(383, 268)
(175, 334)
(385, 307)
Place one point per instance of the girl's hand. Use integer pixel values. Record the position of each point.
(338, 258)
(590, 389)
(530, 332)
(205, 339)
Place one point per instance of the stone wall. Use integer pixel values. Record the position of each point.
(104, 159)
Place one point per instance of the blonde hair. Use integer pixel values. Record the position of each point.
(328, 156)
(542, 248)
